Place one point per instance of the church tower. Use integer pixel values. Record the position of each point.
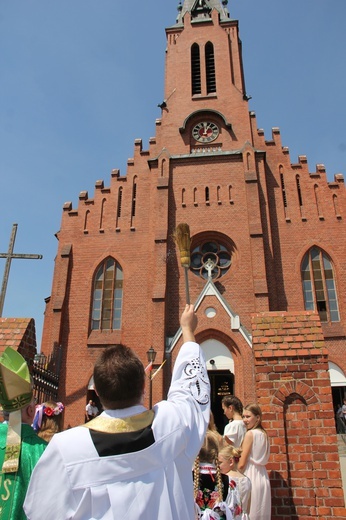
(268, 241)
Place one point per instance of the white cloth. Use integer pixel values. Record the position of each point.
(255, 469)
(235, 431)
(239, 494)
(220, 511)
(71, 481)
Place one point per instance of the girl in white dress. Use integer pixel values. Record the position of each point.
(239, 491)
(255, 455)
(235, 429)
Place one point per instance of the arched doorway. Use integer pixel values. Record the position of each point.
(220, 367)
(338, 384)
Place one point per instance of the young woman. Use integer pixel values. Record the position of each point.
(235, 429)
(239, 490)
(255, 455)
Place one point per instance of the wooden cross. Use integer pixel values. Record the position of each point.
(9, 255)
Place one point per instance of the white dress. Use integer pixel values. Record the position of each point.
(238, 498)
(255, 469)
(72, 480)
(235, 431)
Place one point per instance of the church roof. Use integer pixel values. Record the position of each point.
(201, 9)
(18, 333)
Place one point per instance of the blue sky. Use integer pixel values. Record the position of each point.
(80, 80)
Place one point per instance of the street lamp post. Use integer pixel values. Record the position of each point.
(151, 355)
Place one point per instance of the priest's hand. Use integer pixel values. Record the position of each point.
(188, 322)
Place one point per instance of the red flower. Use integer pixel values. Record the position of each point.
(213, 499)
(206, 499)
(199, 499)
(49, 411)
(232, 484)
(238, 510)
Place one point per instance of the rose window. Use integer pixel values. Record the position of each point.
(210, 257)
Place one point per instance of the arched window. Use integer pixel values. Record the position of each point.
(163, 168)
(248, 156)
(318, 201)
(319, 285)
(195, 69)
(119, 208)
(107, 296)
(218, 193)
(230, 187)
(103, 211)
(336, 206)
(283, 188)
(134, 197)
(299, 191)
(134, 201)
(210, 68)
(183, 196)
(120, 199)
(195, 201)
(87, 213)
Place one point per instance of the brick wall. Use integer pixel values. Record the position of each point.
(293, 390)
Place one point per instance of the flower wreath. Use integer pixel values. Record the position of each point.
(42, 410)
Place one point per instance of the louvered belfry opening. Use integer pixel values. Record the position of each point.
(210, 68)
(195, 69)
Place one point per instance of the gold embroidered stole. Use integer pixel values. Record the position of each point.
(13, 443)
(132, 423)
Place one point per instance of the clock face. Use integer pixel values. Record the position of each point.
(205, 132)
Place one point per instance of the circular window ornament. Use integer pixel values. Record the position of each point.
(210, 312)
(210, 260)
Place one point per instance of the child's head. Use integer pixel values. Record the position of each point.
(48, 419)
(252, 417)
(210, 448)
(228, 458)
(230, 405)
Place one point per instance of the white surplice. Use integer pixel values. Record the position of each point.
(71, 481)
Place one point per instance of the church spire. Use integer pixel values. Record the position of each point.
(201, 9)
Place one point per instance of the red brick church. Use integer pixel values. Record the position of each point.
(267, 274)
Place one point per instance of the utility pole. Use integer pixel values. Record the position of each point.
(9, 256)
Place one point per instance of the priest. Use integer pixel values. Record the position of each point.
(129, 462)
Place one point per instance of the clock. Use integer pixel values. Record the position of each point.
(205, 132)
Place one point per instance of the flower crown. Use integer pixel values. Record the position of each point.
(42, 410)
